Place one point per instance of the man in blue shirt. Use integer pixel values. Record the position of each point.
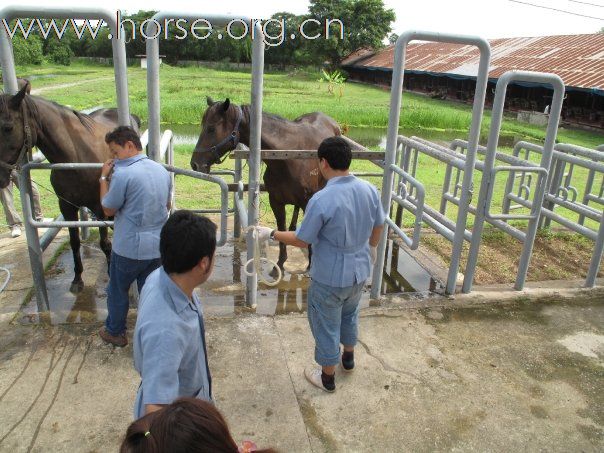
(169, 338)
(139, 198)
(343, 223)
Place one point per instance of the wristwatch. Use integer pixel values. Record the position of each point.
(103, 178)
(272, 235)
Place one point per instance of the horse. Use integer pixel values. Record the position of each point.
(288, 182)
(63, 135)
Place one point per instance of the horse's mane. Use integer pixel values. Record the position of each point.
(269, 115)
(34, 113)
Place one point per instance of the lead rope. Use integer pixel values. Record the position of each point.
(257, 260)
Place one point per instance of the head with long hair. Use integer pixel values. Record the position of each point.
(186, 425)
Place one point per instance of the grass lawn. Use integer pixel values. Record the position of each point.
(183, 92)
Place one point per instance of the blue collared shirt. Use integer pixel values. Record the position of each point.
(140, 191)
(169, 345)
(337, 223)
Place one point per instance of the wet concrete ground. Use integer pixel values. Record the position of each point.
(493, 371)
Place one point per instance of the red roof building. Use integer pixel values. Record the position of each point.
(449, 70)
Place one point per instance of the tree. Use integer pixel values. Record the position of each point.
(366, 24)
(58, 51)
(27, 51)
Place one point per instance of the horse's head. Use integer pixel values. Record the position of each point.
(13, 137)
(219, 134)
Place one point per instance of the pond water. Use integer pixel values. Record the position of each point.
(370, 137)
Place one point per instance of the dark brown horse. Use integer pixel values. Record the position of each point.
(288, 182)
(63, 135)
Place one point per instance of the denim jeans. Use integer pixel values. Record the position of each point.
(122, 273)
(333, 315)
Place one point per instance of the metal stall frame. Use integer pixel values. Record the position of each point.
(7, 63)
(31, 223)
(585, 158)
(489, 173)
(153, 94)
(391, 143)
(117, 41)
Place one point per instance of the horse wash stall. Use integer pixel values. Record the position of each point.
(409, 192)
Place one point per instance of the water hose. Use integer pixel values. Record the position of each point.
(257, 261)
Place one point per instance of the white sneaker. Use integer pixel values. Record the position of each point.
(15, 232)
(313, 375)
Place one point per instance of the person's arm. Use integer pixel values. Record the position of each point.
(104, 189)
(375, 235)
(289, 238)
(162, 352)
(153, 408)
(112, 196)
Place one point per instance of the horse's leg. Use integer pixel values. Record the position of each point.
(294, 222)
(278, 209)
(70, 213)
(105, 244)
(292, 227)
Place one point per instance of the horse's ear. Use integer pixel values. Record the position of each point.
(225, 105)
(15, 101)
(209, 100)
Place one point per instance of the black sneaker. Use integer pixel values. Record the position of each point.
(347, 361)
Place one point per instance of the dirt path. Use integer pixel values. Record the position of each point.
(68, 85)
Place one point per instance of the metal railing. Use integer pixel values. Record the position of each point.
(559, 188)
(153, 95)
(392, 139)
(37, 245)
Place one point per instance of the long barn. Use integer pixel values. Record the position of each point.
(448, 71)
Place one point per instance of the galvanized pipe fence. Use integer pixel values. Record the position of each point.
(459, 231)
(408, 192)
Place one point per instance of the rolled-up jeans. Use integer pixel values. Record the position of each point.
(122, 273)
(6, 197)
(333, 315)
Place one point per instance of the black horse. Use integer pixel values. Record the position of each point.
(63, 135)
(288, 182)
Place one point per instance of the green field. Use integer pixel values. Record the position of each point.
(183, 92)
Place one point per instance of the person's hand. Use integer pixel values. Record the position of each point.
(373, 254)
(107, 167)
(264, 233)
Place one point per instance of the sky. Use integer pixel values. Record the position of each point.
(485, 18)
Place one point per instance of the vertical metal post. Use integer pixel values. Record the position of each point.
(33, 242)
(393, 123)
(588, 187)
(236, 219)
(9, 75)
(254, 160)
(486, 186)
(153, 97)
(85, 231)
(546, 162)
(596, 258)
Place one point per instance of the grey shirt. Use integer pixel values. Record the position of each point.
(169, 345)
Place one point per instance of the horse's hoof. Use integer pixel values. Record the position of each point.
(274, 273)
(76, 287)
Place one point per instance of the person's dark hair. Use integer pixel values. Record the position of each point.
(186, 425)
(336, 151)
(184, 240)
(122, 134)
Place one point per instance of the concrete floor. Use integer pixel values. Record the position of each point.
(493, 371)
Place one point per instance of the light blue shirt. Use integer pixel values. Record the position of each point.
(140, 191)
(169, 345)
(337, 223)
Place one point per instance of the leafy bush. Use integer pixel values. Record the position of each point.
(27, 51)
